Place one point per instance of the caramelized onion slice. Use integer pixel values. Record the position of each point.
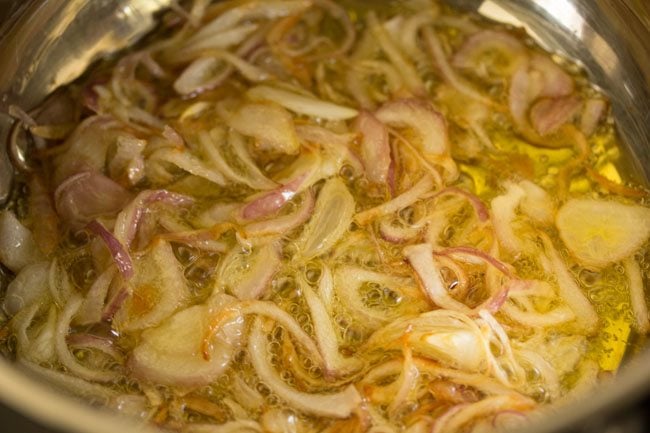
(158, 289)
(337, 405)
(171, 353)
(270, 124)
(375, 147)
(599, 232)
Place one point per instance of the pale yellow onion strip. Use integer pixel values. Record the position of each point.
(423, 186)
(482, 408)
(337, 405)
(285, 223)
(347, 281)
(20, 322)
(431, 170)
(407, 382)
(302, 104)
(246, 395)
(481, 382)
(63, 352)
(240, 149)
(438, 54)
(420, 257)
(59, 283)
(408, 71)
(513, 368)
(330, 221)
(504, 209)
(253, 10)
(409, 33)
(224, 39)
(91, 310)
(569, 290)
(326, 334)
(555, 317)
(272, 311)
(587, 379)
(209, 142)
(637, 295)
(188, 162)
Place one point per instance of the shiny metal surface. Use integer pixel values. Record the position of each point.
(52, 42)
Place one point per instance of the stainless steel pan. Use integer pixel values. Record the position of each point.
(46, 44)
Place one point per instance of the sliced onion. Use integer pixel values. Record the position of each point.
(537, 203)
(121, 257)
(126, 224)
(28, 288)
(248, 274)
(338, 405)
(470, 253)
(407, 382)
(268, 203)
(399, 235)
(254, 10)
(461, 415)
(599, 232)
(270, 124)
(207, 72)
(212, 144)
(93, 305)
(405, 199)
(423, 119)
(158, 289)
(90, 341)
(301, 104)
(63, 352)
(216, 214)
(420, 257)
(375, 147)
(549, 114)
(569, 290)
(490, 41)
(440, 59)
(266, 309)
(171, 353)
(331, 219)
(184, 160)
(17, 246)
(326, 336)
(89, 195)
(637, 295)
(481, 211)
(409, 74)
(285, 223)
(201, 41)
(335, 147)
(128, 163)
(346, 282)
(504, 212)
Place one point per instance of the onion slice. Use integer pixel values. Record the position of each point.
(17, 245)
(337, 405)
(247, 274)
(331, 219)
(375, 147)
(405, 199)
(301, 104)
(120, 256)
